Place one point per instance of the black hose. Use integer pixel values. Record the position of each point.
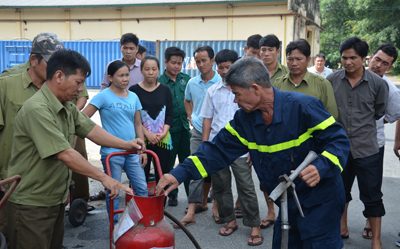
(174, 219)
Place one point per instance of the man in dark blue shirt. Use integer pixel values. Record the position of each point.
(278, 129)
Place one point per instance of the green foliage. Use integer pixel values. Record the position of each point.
(375, 21)
(332, 60)
(396, 67)
(335, 15)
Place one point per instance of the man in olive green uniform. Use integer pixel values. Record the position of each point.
(43, 154)
(81, 189)
(18, 84)
(15, 90)
(269, 52)
(180, 131)
(300, 80)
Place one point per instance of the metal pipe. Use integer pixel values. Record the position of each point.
(299, 27)
(284, 221)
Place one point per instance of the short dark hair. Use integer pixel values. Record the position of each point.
(254, 41)
(141, 49)
(69, 62)
(149, 57)
(226, 55)
(270, 41)
(209, 50)
(361, 47)
(388, 49)
(174, 51)
(320, 56)
(302, 45)
(129, 37)
(246, 71)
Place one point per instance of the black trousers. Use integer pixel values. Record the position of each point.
(163, 156)
(369, 172)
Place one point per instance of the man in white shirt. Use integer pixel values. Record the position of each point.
(218, 109)
(129, 47)
(381, 62)
(319, 66)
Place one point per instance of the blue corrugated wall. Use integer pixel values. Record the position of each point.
(98, 53)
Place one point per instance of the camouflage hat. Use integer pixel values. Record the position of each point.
(46, 44)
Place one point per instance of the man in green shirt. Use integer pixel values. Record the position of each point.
(51, 40)
(43, 154)
(16, 89)
(269, 51)
(180, 131)
(300, 80)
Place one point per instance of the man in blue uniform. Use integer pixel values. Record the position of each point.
(278, 129)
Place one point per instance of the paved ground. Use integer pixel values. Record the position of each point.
(394, 79)
(95, 232)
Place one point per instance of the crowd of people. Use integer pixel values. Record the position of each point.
(250, 113)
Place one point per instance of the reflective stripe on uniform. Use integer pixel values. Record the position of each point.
(333, 158)
(199, 166)
(285, 145)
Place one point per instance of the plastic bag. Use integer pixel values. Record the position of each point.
(128, 219)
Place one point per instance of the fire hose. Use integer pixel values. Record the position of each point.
(184, 229)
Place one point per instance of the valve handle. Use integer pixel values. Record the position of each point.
(293, 190)
(287, 181)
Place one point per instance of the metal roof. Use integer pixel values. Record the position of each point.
(112, 3)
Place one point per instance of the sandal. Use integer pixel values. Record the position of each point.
(217, 220)
(198, 209)
(270, 223)
(90, 208)
(227, 228)
(368, 231)
(252, 237)
(98, 196)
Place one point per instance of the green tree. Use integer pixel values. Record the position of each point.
(374, 21)
(335, 14)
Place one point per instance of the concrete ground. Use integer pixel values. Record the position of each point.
(95, 232)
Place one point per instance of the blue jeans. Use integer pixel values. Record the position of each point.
(134, 171)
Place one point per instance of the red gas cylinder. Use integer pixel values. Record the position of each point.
(151, 189)
(152, 231)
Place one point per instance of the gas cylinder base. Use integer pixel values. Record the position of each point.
(161, 235)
